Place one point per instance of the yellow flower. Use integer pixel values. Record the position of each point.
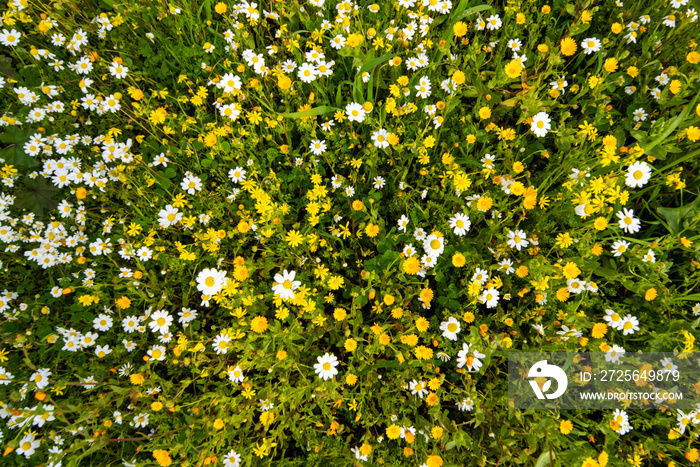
(158, 116)
(586, 16)
(693, 57)
(590, 462)
(434, 461)
(520, 18)
(458, 77)
(422, 324)
(259, 324)
(423, 353)
(571, 270)
(339, 314)
(393, 432)
(350, 379)
(693, 455)
(163, 457)
(137, 94)
(610, 65)
(354, 40)
(599, 330)
(411, 265)
(597, 249)
(156, 406)
(513, 69)
(693, 133)
(484, 203)
(294, 238)
(350, 345)
(484, 113)
(563, 294)
(460, 29)
(458, 260)
(601, 223)
(432, 399)
(568, 46)
(543, 48)
(675, 86)
(284, 82)
(218, 424)
(426, 295)
(633, 71)
(136, 379)
(686, 243)
(124, 302)
(650, 294)
(616, 28)
(566, 426)
(372, 230)
(220, 8)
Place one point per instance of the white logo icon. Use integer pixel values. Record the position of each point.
(542, 369)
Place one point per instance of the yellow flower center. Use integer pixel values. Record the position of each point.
(638, 174)
(452, 327)
(287, 284)
(435, 244)
(326, 366)
(156, 354)
(209, 282)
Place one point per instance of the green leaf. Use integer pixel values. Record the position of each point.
(578, 28)
(311, 112)
(671, 125)
(37, 196)
(14, 153)
(376, 61)
(545, 459)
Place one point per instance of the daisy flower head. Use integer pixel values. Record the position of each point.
(490, 297)
(355, 112)
(232, 459)
(160, 321)
(541, 124)
(630, 324)
(403, 223)
(317, 147)
(236, 175)
(638, 174)
(379, 182)
(450, 328)
(460, 224)
(326, 366)
(434, 244)
(169, 216)
(285, 285)
(640, 115)
(619, 247)
(469, 357)
(614, 354)
(210, 281)
(381, 138)
(418, 388)
(236, 374)
(590, 45)
(628, 222)
(517, 239)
